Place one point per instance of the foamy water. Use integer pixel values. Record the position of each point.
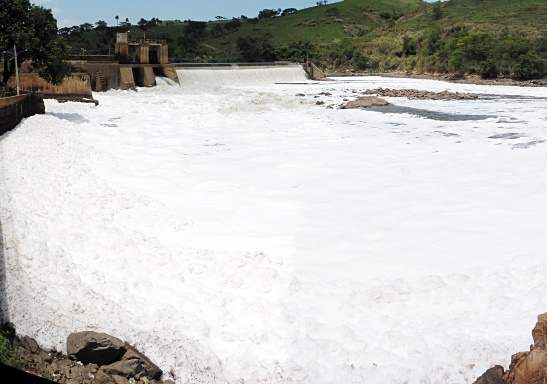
(236, 232)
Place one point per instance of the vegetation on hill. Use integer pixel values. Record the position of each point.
(490, 38)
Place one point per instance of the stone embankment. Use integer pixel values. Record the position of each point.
(469, 79)
(419, 94)
(92, 358)
(526, 367)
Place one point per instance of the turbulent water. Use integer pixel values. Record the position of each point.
(237, 231)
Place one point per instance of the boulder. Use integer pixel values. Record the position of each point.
(30, 344)
(492, 376)
(539, 333)
(102, 378)
(125, 368)
(93, 347)
(120, 379)
(151, 370)
(365, 102)
(528, 368)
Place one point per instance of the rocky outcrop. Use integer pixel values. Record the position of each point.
(492, 376)
(95, 348)
(418, 94)
(365, 102)
(90, 361)
(526, 367)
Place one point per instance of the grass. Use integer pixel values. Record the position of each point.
(7, 355)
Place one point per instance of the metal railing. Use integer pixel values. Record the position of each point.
(148, 41)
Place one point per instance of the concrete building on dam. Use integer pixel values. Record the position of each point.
(137, 62)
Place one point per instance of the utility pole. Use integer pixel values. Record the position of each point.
(16, 68)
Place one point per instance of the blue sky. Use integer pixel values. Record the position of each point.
(76, 12)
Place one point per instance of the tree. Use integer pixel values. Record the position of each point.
(437, 11)
(33, 30)
(142, 23)
(289, 11)
(255, 48)
(101, 24)
(233, 24)
(117, 19)
(86, 27)
(195, 29)
(268, 13)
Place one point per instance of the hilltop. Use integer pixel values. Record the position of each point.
(489, 38)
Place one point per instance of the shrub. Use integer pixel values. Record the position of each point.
(457, 61)
(7, 355)
(529, 66)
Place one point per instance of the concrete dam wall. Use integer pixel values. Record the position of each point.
(15, 108)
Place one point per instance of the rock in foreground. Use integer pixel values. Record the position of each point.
(365, 102)
(526, 367)
(94, 358)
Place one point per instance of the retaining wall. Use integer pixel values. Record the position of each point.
(13, 109)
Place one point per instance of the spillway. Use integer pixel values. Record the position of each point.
(240, 76)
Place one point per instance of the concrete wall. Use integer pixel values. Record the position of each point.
(163, 54)
(314, 72)
(109, 71)
(14, 109)
(146, 77)
(78, 85)
(143, 53)
(127, 80)
(126, 76)
(170, 72)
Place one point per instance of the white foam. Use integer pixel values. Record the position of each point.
(242, 232)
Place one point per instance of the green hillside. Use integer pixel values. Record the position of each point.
(485, 37)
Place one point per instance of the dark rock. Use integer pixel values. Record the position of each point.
(30, 344)
(80, 372)
(8, 328)
(101, 378)
(151, 370)
(493, 375)
(120, 379)
(93, 347)
(300, 94)
(365, 102)
(125, 368)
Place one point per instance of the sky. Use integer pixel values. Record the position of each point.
(76, 12)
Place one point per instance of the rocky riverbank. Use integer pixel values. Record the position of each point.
(526, 367)
(92, 358)
(453, 79)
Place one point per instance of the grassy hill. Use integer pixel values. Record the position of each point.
(365, 35)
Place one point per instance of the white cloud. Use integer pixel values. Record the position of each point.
(66, 23)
